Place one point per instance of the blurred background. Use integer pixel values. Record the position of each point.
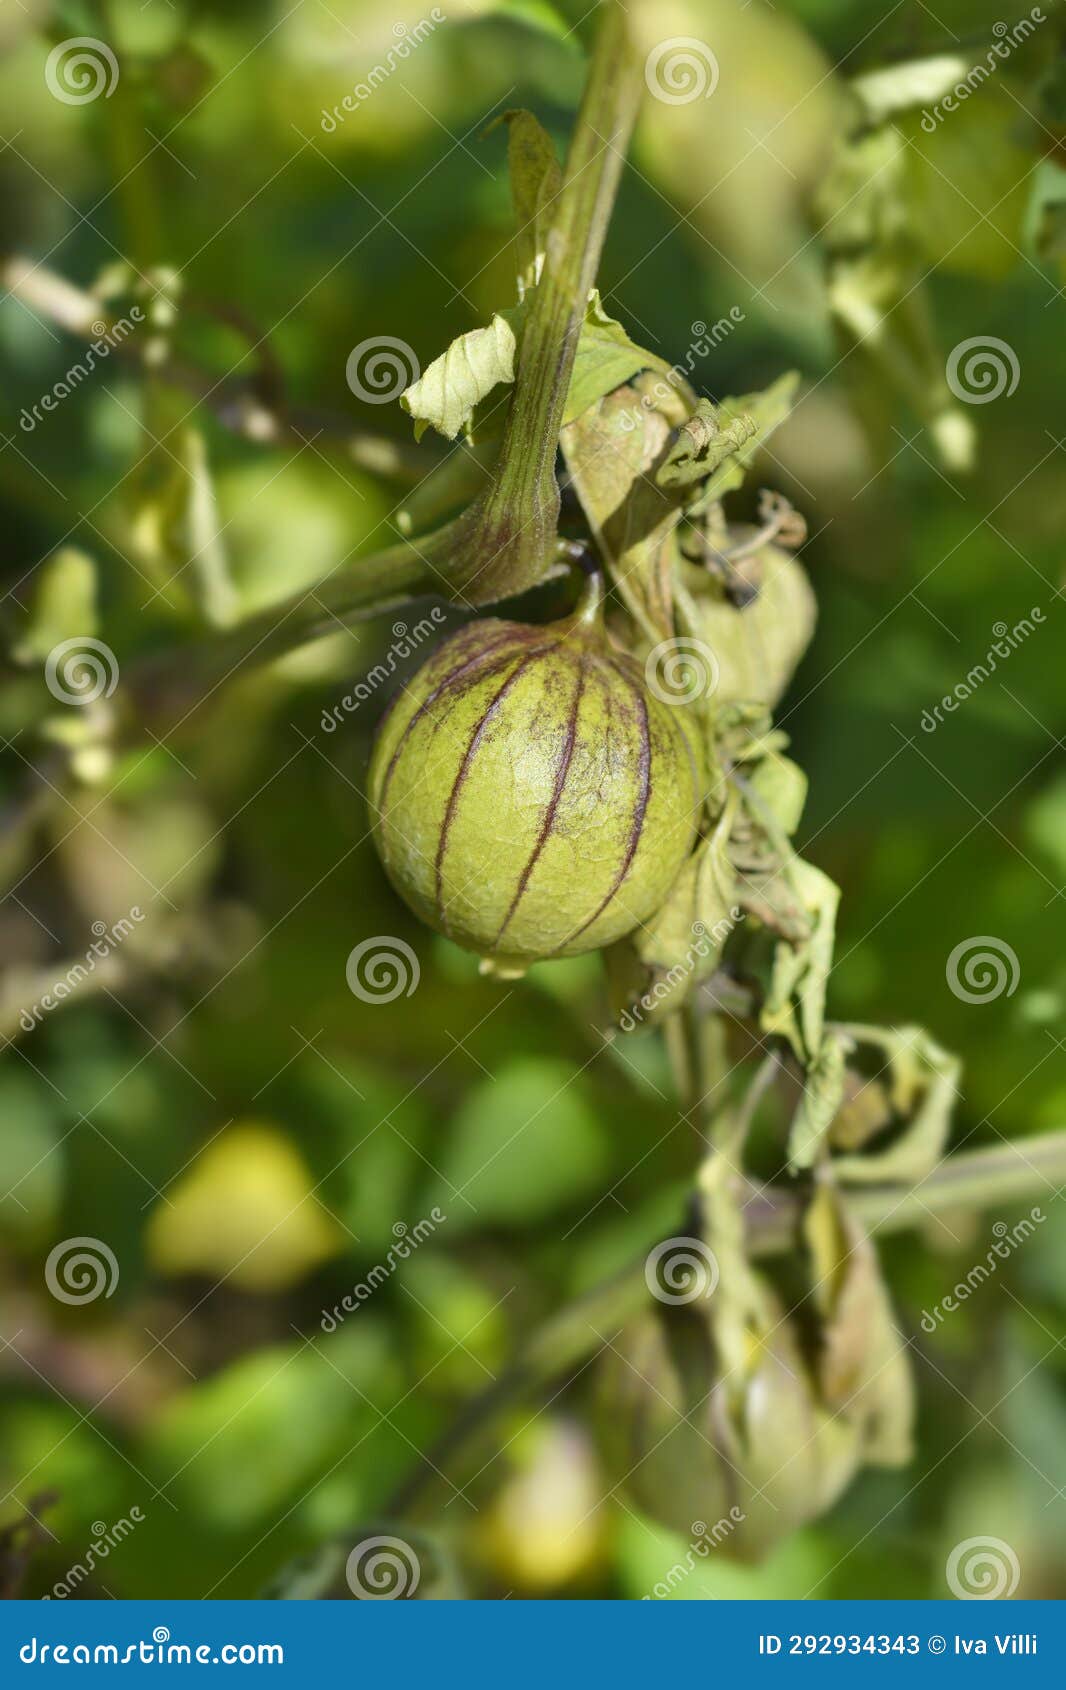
(247, 1137)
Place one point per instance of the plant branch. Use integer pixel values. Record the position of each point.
(979, 1179)
(240, 406)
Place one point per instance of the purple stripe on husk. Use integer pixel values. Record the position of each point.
(464, 770)
(561, 773)
(641, 810)
(454, 675)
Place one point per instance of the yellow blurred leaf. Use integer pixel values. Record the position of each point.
(244, 1211)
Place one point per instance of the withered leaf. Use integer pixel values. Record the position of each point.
(823, 1092)
(611, 450)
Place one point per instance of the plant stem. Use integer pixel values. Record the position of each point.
(506, 541)
(979, 1179)
(508, 535)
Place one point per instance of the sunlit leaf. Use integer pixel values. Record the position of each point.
(448, 390)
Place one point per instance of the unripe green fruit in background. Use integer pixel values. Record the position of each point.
(530, 797)
(757, 1455)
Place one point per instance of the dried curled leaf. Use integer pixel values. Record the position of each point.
(863, 1368)
(823, 1093)
(718, 443)
(795, 1002)
(447, 392)
(924, 1087)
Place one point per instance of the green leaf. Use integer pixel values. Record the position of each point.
(718, 443)
(781, 785)
(446, 393)
(523, 1145)
(610, 450)
(536, 178)
(606, 357)
(64, 604)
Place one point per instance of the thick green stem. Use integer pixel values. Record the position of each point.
(507, 540)
(980, 1179)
